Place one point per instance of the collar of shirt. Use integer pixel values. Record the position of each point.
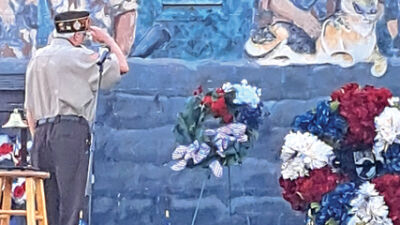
(61, 41)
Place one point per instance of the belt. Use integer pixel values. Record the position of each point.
(58, 118)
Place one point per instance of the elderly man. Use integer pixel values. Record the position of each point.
(61, 84)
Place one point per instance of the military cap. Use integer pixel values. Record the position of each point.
(72, 21)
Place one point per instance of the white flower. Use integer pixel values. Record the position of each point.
(393, 101)
(369, 207)
(302, 152)
(388, 130)
(245, 94)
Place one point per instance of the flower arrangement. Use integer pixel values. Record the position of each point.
(9, 157)
(218, 127)
(6, 148)
(18, 191)
(341, 160)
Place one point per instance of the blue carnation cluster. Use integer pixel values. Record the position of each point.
(336, 204)
(252, 117)
(392, 159)
(322, 122)
(366, 169)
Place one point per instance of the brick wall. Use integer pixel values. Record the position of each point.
(134, 184)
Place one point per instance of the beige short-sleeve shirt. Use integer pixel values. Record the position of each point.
(63, 80)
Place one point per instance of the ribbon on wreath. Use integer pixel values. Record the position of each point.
(196, 151)
(227, 134)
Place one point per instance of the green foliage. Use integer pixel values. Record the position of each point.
(196, 118)
(187, 128)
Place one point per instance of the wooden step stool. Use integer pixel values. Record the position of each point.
(35, 196)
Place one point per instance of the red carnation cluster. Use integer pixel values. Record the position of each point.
(198, 91)
(305, 190)
(218, 106)
(6, 149)
(388, 186)
(19, 191)
(360, 106)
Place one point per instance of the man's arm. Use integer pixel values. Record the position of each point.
(28, 104)
(31, 121)
(102, 36)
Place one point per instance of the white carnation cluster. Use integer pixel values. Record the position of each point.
(303, 152)
(388, 130)
(369, 208)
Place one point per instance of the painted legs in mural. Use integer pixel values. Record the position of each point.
(388, 29)
(124, 30)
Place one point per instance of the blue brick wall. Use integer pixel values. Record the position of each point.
(134, 184)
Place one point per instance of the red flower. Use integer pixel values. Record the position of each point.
(220, 91)
(207, 100)
(218, 107)
(360, 106)
(19, 191)
(198, 90)
(388, 186)
(305, 190)
(6, 149)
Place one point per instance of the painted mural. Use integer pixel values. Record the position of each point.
(326, 31)
(25, 25)
(193, 29)
(269, 32)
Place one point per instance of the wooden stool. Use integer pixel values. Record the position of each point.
(35, 196)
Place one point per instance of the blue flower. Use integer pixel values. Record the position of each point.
(336, 204)
(322, 122)
(244, 93)
(252, 117)
(392, 159)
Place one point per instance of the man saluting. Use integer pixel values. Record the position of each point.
(61, 84)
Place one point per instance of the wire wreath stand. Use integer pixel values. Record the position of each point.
(206, 179)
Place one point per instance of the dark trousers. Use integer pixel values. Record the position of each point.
(62, 148)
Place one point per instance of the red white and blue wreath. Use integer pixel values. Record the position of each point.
(9, 156)
(217, 128)
(341, 160)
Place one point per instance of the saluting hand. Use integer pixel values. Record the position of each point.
(100, 35)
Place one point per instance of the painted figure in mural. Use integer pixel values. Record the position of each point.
(62, 82)
(118, 16)
(24, 24)
(388, 29)
(347, 35)
(17, 27)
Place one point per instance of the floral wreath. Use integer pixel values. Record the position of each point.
(9, 156)
(341, 161)
(217, 128)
